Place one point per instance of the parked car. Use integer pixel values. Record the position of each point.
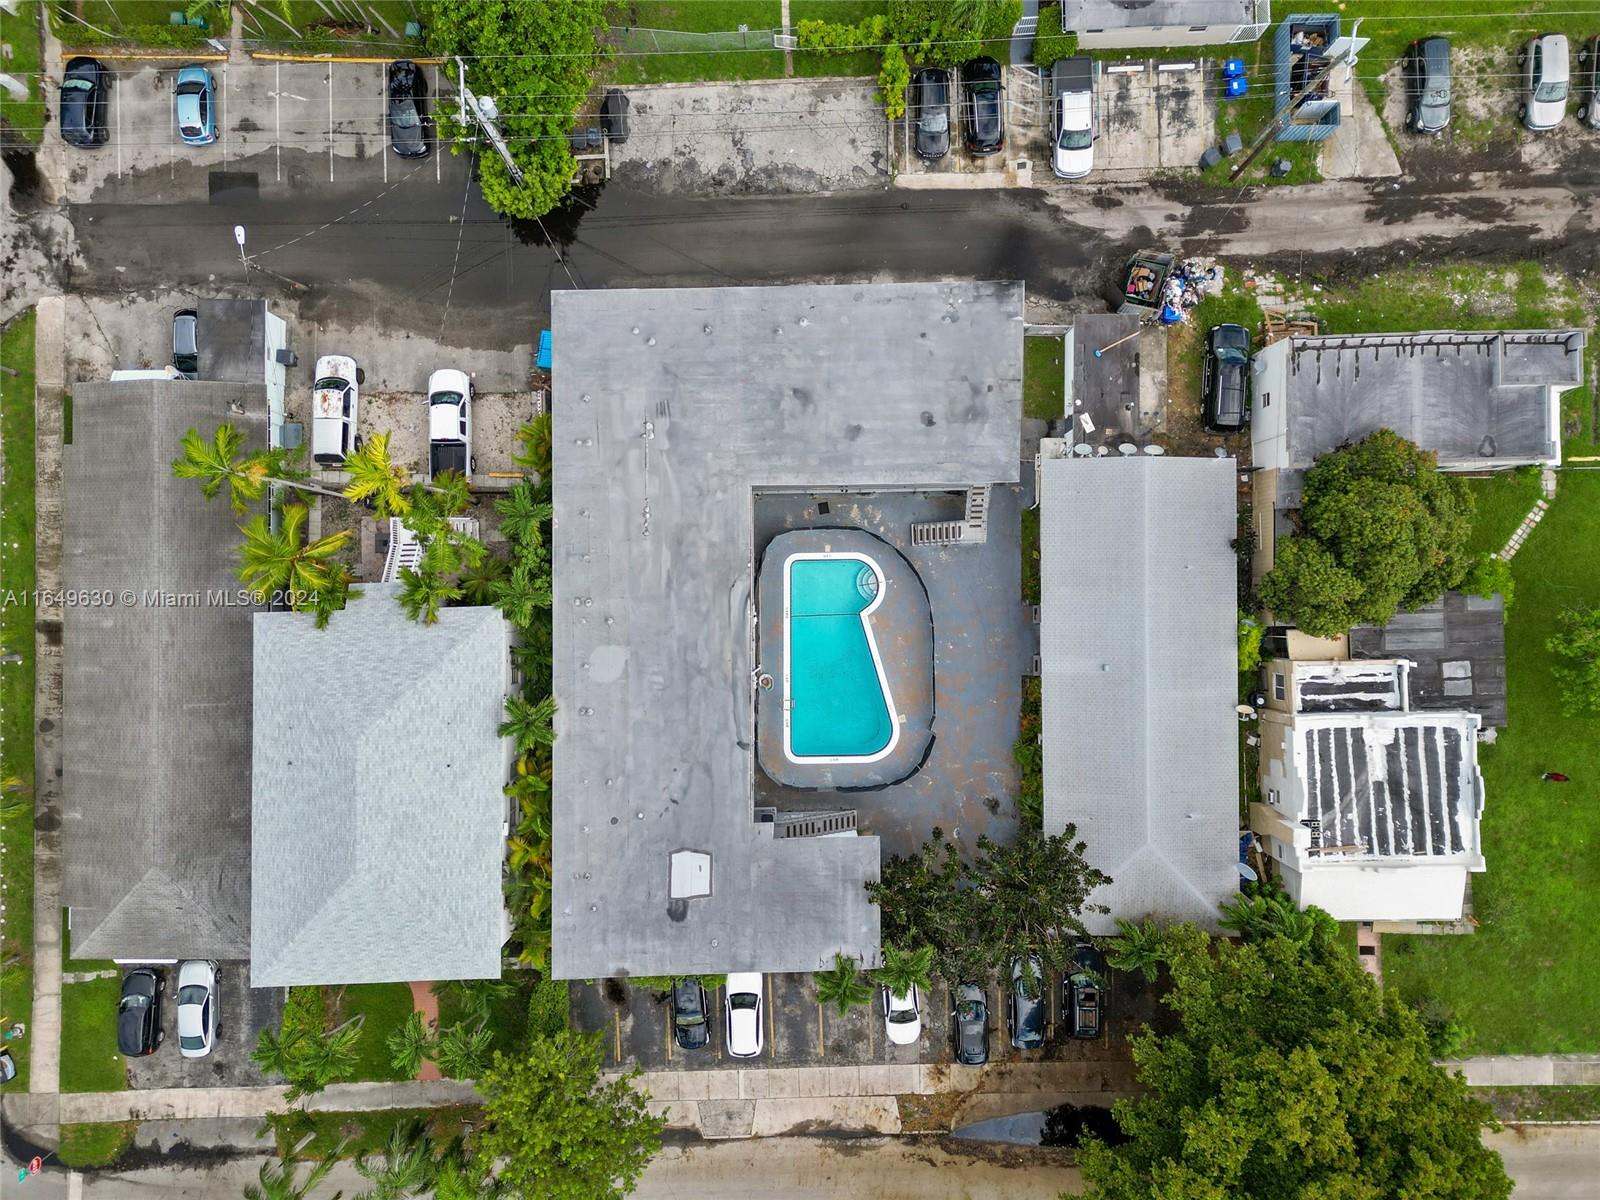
(1427, 75)
(930, 99)
(983, 106)
(84, 87)
(139, 1013)
(186, 343)
(1074, 134)
(902, 1022)
(197, 1008)
(408, 112)
(1589, 63)
(449, 423)
(194, 101)
(1224, 378)
(742, 1006)
(969, 1019)
(1025, 1004)
(691, 1015)
(1082, 992)
(8, 1067)
(335, 406)
(1546, 81)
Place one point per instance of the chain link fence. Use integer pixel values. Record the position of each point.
(637, 40)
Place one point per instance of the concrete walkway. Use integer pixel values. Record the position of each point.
(44, 1028)
(1532, 1070)
(1022, 33)
(426, 1003)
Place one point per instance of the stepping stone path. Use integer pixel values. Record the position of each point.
(1540, 507)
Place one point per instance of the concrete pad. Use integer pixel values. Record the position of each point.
(1577, 1072)
(678, 1115)
(1359, 148)
(875, 1080)
(785, 1085)
(844, 1081)
(753, 1085)
(866, 1114)
(727, 1118)
(721, 1085)
(660, 1085)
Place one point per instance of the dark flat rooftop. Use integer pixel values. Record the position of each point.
(1458, 646)
(231, 336)
(1081, 15)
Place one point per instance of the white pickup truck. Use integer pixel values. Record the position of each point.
(449, 423)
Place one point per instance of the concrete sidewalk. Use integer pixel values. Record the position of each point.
(1528, 1070)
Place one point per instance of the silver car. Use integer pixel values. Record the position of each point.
(1546, 82)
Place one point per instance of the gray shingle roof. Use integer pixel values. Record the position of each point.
(377, 795)
(156, 696)
(671, 406)
(1138, 666)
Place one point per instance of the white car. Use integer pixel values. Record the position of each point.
(1546, 81)
(1072, 156)
(449, 423)
(902, 1022)
(743, 1007)
(197, 1007)
(335, 403)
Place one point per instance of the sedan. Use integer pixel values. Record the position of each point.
(1427, 75)
(408, 114)
(742, 1007)
(1025, 1003)
(197, 1008)
(1546, 80)
(691, 1015)
(186, 343)
(1224, 377)
(901, 1021)
(84, 88)
(195, 102)
(983, 106)
(139, 1013)
(930, 91)
(1083, 996)
(970, 1021)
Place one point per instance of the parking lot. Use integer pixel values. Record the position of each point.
(242, 1013)
(636, 1027)
(281, 127)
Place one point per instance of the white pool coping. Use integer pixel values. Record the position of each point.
(872, 645)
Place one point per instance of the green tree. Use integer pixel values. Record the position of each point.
(281, 1180)
(478, 583)
(843, 986)
(1250, 634)
(222, 462)
(903, 970)
(1577, 674)
(535, 60)
(556, 1131)
(535, 454)
(285, 563)
(275, 1051)
(1391, 532)
(475, 997)
(1289, 1074)
(463, 1050)
(947, 32)
(409, 1044)
(378, 480)
(1265, 910)
(522, 515)
(523, 593)
(403, 1169)
(319, 1059)
(1139, 946)
(424, 592)
(529, 724)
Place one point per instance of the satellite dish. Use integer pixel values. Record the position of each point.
(1246, 871)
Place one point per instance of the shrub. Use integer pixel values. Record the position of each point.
(832, 37)
(1487, 576)
(1446, 1031)
(1049, 43)
(1578, 675)
(893, 79)
(547, 1009)
(1250, 631)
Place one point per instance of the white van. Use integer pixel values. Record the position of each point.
(335, 405)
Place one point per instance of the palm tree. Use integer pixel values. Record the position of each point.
(284, 563)
(536, 446)
(478, 582)
(376, 479)
(409, 1044)
(522, 516)
(843, 987)
(463, 1051)
(903, 970)
(1264, 913)
(404, 1169)
(280, 1180)
(324, 1057)
(1140, 946)
(522, 594)
(529, 725)
(275, 1054)
(476, 995)
(222, 461)
(423, 593)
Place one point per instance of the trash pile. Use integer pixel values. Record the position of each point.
(1189, 282)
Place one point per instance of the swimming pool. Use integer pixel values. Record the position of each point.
(836, 702)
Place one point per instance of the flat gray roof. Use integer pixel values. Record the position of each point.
(1457, 647)
(156, 692)
(1469, 397)
(378, 794)
(1139, 668)
(231, 336)
(1086, 15)
(671, 407)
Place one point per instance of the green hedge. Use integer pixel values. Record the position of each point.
(1049, 43)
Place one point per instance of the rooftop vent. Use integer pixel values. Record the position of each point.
(690, 874)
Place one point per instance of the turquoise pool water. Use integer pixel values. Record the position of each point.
(837, 704)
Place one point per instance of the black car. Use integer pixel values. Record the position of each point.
(84, 88)
(930, 106)
(969, 1021)
(1224, 378)
(1427, 73)
(691, 1023)
(186, 343)
(1025, 1004)
(1083, 991)
(983, 106)
(408, 113)
(1588, 111)
(139, 1013)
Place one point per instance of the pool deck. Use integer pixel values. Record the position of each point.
(902, 627)
(984, 641)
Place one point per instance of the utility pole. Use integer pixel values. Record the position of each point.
(1343, 50)
(483, 112)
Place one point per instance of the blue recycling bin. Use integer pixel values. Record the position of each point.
(544, 358)
(1233, 68)
(1235, 87)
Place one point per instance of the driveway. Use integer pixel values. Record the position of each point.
(243, 1013)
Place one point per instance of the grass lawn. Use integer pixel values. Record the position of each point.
(1030, 555)
(21, 32)
(386, 1007)
(89, 1058)
(1577, 1103)
(841, 12)
(100, 1145)
(361, 1133)
(508, 1015)
(1539, 935)
(85, 23)
(691, 59)
(1043, 377)
(1502, 501)
(16, 684)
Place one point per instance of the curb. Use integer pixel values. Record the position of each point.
(145, 55)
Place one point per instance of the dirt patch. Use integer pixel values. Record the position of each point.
(934, 1113)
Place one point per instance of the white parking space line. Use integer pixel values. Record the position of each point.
(383, 118)
(330, 123)
(222, 117)
(437, 168)
(116, 101)
(277, 116)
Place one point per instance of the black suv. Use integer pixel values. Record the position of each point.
(983, 106)
(1427, 73)
(139, 1013)
(969, 1021)
(930, 91)
(1025, 1004)
(1083, 991)
(84, 86)
(691, 1024)
(1225, 378)
(408, 115)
